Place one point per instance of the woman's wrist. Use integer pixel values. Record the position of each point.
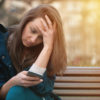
(5, 88)
(13, 81)
(48, 48)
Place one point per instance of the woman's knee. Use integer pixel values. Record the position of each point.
(16, 93)
(22, 93)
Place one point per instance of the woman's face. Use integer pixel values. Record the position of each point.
(31, 35)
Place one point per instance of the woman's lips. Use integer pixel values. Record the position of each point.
(28, 43)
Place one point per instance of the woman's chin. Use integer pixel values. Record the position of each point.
(28, 45)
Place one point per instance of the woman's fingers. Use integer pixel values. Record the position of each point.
(40, 28)
(32, 83)
(29, 78)
(48, 21)
(25, 77)
(22, 79)
(24, 72)
(44, 24)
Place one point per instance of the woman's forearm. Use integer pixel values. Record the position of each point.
(44, 56)
(5, 88)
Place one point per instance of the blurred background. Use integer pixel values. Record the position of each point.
(81, 23)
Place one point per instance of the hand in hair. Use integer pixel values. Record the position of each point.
(48, 31)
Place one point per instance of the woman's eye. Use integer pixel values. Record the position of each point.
(33, 31)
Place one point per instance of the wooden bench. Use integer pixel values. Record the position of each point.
(79, 83)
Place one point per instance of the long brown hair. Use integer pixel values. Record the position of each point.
(58, 59)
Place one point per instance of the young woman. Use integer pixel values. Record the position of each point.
(36, 43)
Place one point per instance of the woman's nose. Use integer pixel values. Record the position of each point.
(33, 39)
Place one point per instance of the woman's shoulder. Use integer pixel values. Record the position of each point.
(3, 29)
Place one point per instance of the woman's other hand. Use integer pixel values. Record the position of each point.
(22, 79)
